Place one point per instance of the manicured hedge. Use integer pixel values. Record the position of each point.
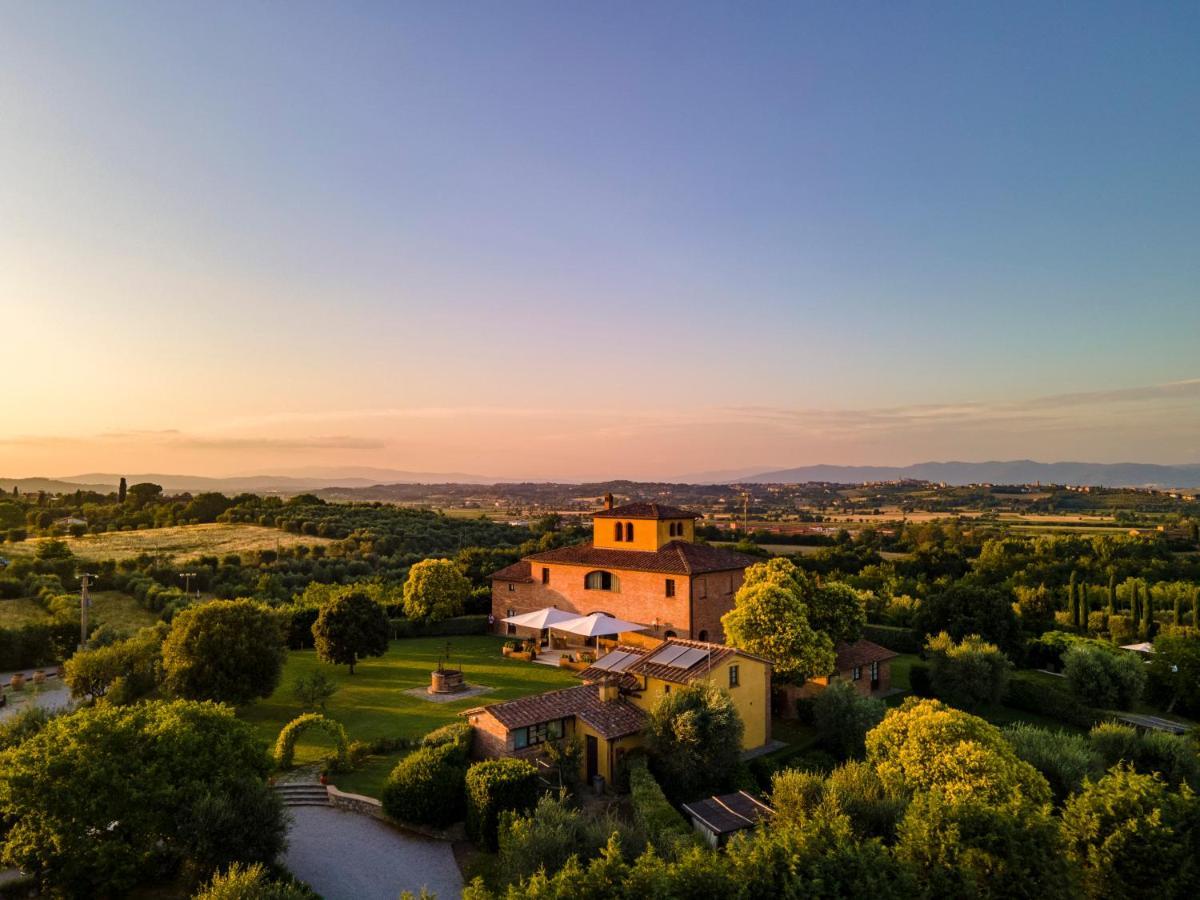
(452, 627)
(902, 640)
(493, 786)
(1028, 692)
(427, 787)
(37, 644)
(651, 809)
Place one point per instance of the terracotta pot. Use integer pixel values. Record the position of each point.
(18, 682)
(39, 677)
(324, 778)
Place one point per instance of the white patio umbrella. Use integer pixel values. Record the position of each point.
(541, 618)
(597, 624)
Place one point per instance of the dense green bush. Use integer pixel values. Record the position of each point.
(1032, 693)
(252, 882)
(1133, 837)
(968, 674)
(493, 786)
(427, 786)
(652, 812)
(843, 717)
(1104, 678)
(1065, 758)
(1172, 756)
(554, 832)
(458, 734)
(902, 640)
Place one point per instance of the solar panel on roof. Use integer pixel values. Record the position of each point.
(622, 664)
(609, 660)
(664, 657)
(688, 659)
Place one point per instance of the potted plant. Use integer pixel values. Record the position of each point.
(39, 677)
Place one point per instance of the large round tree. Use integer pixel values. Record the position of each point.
(229, 651)
(103, 798)
(694, 738)
(436, 589)
(350, 627)
(769, 619)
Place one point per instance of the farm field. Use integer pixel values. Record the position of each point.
(372, 704)
(178, 540)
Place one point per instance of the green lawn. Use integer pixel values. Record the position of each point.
(372, 703)
(22, 611)
(120, 611)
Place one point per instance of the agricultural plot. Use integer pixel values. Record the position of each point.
(182, 541)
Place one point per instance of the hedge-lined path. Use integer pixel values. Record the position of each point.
(347, 856)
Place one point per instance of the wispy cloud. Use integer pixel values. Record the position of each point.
(174, 439)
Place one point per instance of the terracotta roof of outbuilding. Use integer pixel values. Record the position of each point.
(518, 571)
(861, 653)
(645, 511)
(610, 719)
(674, 558)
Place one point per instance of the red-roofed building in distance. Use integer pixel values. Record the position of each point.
(643, 565)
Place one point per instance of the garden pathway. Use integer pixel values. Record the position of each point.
(348, 856)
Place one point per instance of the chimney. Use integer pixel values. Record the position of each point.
(608, 501)
(609, 690)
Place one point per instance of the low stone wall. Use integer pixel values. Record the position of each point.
(357, 803)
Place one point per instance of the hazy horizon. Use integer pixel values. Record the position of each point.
(577, 240)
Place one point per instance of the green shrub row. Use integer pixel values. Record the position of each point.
(493, 786)
(652, 812)
(902, 640)
(37, 644)
(452, 627)
(1026, 691)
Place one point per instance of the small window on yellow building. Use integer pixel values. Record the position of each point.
(733, 677)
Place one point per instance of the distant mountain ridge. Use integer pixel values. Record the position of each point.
(1020, 471)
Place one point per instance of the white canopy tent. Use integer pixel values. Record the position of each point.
(597, 624)
(541, 618)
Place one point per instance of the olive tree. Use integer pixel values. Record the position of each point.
(349, 627)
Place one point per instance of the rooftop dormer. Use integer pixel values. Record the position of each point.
(641, 526)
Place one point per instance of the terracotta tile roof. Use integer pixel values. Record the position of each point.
(611, 719)
(728, 812)
(645, 511)
(518, 571)
(674, 558)
(860, 653)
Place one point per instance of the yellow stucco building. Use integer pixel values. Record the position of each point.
(609, 711)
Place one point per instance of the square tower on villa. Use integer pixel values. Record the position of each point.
(643, 565)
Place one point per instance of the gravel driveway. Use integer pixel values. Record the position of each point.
(347, 856)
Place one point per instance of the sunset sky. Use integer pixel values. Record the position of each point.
(568, 240)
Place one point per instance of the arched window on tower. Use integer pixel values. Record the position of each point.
(601, 581)
(620, 532)
(629, 531)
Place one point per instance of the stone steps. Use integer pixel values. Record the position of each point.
(302, 794)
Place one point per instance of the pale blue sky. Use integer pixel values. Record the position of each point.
(376, 233)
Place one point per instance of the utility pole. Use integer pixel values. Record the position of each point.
(187, 582)
(745, 514)
(84, 602)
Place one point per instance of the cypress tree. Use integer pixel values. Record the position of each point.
(1073, 600)
(1112, 593)
(1196, 607)
(1148, 613)
(1177, 613)
(122, 488)
(1135, 607)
